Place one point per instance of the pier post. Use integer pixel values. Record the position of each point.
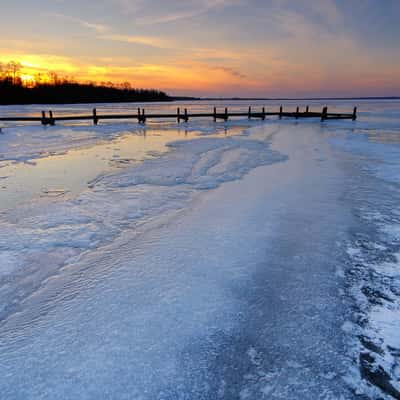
(143, 116)
(263, 114)
(51, 119)
(215, 114)
(354, 117)
(226, 114)
(178, 115)
(249, 113)
(280, 112)
(139, 117)
(297, 112)
(324, 114)
(307, 109)
(186, 118)
(44, 122)
(95, 119)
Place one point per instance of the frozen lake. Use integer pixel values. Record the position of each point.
(201, 260)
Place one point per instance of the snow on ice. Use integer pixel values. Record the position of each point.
(233, 260)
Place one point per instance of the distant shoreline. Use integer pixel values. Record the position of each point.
(14, 92)
(59, 103)
(178, 98)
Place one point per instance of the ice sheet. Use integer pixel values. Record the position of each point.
(258, 265)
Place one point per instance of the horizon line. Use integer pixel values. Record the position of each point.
(235, 98)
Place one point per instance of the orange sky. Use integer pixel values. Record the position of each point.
(209, 47)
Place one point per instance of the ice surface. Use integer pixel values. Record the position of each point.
(254, 265)
(186, 308)
(122, 200)
(374, 250)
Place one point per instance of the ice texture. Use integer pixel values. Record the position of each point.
(260, 265)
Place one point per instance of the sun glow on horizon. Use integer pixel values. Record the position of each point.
(27, 79)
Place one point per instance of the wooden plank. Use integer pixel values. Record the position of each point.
(21, 119)
(77, 118)
(340, 117)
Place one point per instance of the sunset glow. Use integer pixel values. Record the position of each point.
(210, 47)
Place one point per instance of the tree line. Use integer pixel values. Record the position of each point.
(52, 89)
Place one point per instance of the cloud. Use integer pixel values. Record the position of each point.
(105, 32)
(133, 39)
(231, 71)
(170, 11)
(98, 28)
(325, 11)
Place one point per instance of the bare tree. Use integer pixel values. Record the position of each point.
(38, 78)
(54, 79)
(126, 85)
(14, 68)
(3, 71)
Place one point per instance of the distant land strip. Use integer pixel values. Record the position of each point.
(285, 98)
(12, 93)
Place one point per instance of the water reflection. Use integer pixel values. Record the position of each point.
(68, 174)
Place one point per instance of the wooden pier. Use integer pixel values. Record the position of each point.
(183, 115)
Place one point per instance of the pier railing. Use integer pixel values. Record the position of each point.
(183, 115)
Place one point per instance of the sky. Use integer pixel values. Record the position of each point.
(246, 48)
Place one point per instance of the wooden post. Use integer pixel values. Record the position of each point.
(186, 115)
(44, 122)
(280, 112)
(51, 119)
(249, 113)
(263, 114)
(307, 110)
(178, 113)
(143, 116)
(324, 113)
(215, 114)
(297, 112)
(354, 117)
(139, 117)
(226, 114)
(95, 119)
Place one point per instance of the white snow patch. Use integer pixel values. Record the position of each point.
(391, 269)
(349, 327)
(392, 230)
(254, 356)
(294, 364)
(386, 322)
(353, 251)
